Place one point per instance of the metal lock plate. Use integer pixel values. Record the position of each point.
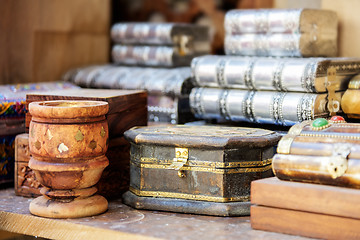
(184, 44)
(181, 158)
(338, 162)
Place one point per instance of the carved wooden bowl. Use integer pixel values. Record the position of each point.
(68, 141)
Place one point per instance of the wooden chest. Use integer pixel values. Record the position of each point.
(127, 108)
(197, 169)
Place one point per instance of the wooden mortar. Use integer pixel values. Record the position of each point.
(68, 141)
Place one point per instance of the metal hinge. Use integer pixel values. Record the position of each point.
(181, 158)
(338, 162)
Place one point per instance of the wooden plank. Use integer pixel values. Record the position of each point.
(304, 223)
(49, 228)
(51, 38)
(315, 198)
(123, 222)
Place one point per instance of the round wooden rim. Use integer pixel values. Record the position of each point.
(68, 109)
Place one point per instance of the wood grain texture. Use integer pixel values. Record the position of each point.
(44, 39)
(304, 223)
(322, 199)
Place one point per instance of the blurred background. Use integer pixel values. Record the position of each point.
(40, 40)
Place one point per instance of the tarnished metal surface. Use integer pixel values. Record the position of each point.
(325, 156)
(276, 74)
(219, 165)
(281, 32)
(264, 107)
(158, 44)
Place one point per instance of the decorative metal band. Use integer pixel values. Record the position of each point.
(284, 144)
(142, 33)
(143, 55)
(234, 20)
(222, 103)
(196, 101)
(220, 72)
(261, 21)
(276, 108)
(194, 76)
(249, 81)
(248, 106)
(208, 169)
(308, 77)
(277, 81)
(145, 193)
(291, 45)
(350, 137)
(207, 164)
(305, 107)
(296, 129)
(345, 68)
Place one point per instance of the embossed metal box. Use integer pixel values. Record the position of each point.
(320, 151)
(197, 169)
(158, 44)
(281, 32)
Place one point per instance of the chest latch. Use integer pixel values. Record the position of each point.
(181, 158)
(338, 162)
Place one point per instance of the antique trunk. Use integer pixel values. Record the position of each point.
(168, 89)
(264, 107)
(152, 56)
(305, 209)
(320, 151)
(159, 34)
(160, 44)
(281, 32)
(127, 108)
(197, 169)
(274, 74)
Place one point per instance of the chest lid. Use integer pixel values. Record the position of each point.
(206, 137)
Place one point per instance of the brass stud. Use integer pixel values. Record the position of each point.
(181, 174)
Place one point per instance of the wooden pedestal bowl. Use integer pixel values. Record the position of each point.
(68, 141)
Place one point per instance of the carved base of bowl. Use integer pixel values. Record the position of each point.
(75, 208)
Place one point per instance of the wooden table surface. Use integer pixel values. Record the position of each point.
(123, 222)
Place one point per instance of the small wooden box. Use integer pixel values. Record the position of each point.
(25, 181)
(197, 169)
(310, 210)
(127, 108)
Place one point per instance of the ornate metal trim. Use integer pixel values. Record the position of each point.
(248, 106)
(206, 164)
(145, 193)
